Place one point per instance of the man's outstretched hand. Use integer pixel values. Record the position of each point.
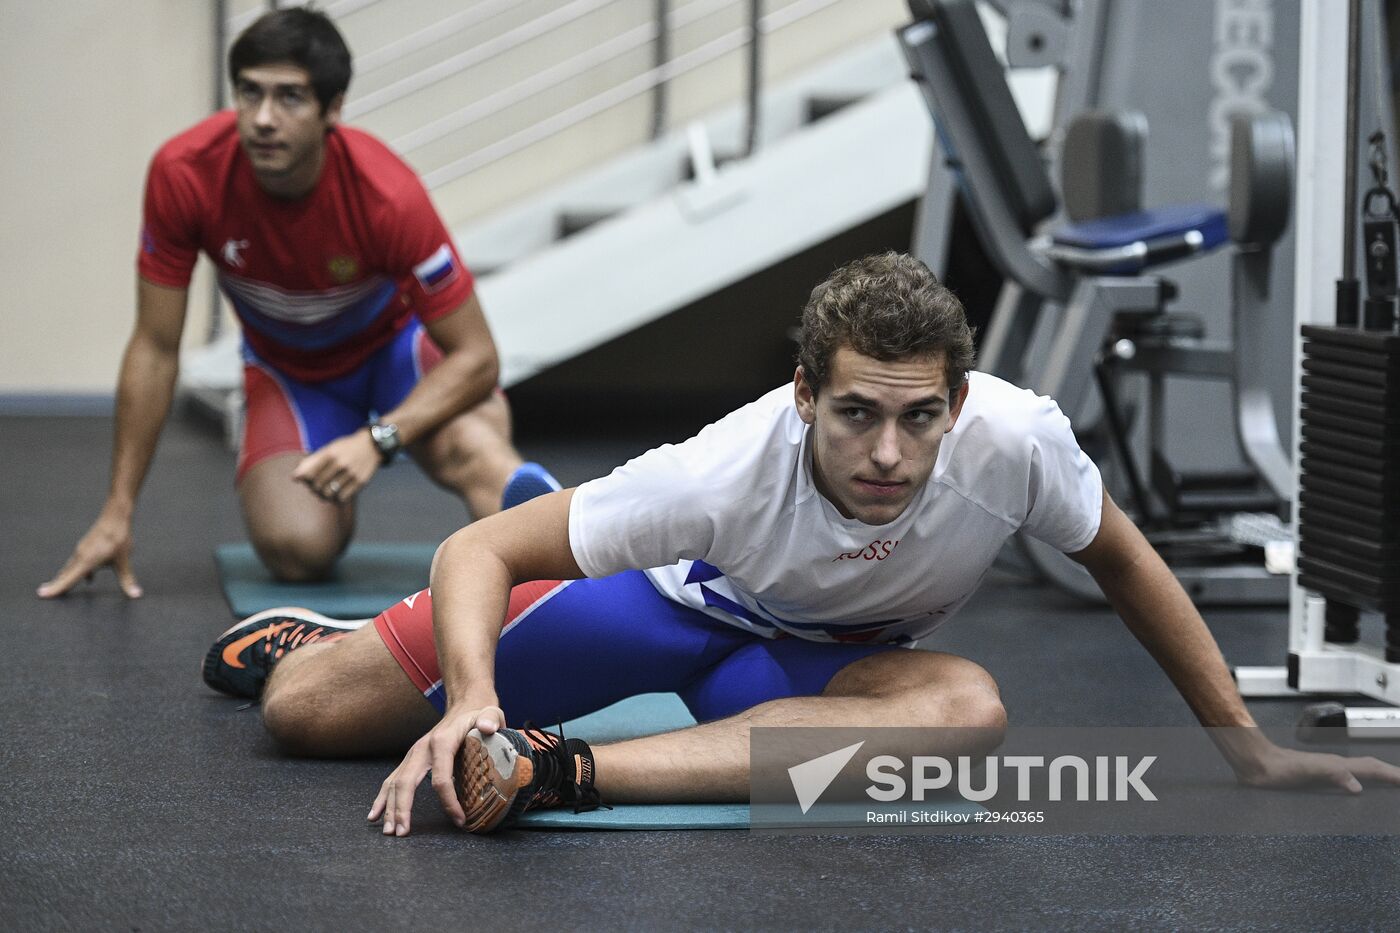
(106, 544)
(436, 752)
(1278, 767)
(339, 470)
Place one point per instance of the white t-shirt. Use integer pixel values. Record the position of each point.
(730, 522)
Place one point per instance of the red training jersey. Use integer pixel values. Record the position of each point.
(320, 282)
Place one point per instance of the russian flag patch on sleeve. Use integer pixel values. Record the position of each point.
(437, 271)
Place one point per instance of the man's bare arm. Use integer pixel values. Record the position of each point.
(1158, 612)
(463, 379)
(467, 374)
(472, 575)
(145, 388)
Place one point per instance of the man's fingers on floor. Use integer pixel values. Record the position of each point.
(1346, 779)
(1373, 769)
(402, 810)
(391, 808)
(381, 799)
(385, 801)
(391, 812)
(72, 572)
(401, 799)
(54, 587)
(127, 578)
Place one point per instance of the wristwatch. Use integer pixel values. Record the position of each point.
(386, 439)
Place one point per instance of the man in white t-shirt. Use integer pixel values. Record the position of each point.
(769, 570)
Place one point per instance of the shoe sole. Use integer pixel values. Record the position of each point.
(489, 774)
(210, 669)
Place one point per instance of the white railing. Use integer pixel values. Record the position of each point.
(474, 56)
(552, 77)
(659, 33)
(633, 87)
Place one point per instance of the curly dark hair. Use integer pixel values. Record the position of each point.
(303, 37)
(886, 306)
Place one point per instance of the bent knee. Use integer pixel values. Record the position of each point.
(905, 672)
(291, 717)
(288, 725)
(968, 717)
(468, 444)
(975, 707)
(292, 559)
(929, 689)
(968, 696)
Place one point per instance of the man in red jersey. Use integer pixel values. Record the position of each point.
(361, 330)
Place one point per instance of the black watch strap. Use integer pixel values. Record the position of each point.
(386, 439)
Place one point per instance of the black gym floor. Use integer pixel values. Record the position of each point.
(138, 799)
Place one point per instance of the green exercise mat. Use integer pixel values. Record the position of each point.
(368, 579)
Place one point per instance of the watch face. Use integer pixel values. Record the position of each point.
(386, 437)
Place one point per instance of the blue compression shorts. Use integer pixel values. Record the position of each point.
(570, 648)
(285, 415)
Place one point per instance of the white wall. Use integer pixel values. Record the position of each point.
(87, 92)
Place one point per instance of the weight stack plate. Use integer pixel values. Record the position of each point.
(1349, 503)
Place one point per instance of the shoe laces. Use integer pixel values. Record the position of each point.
(556, 774)
(281, 640)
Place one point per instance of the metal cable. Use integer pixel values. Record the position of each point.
(1349, 206)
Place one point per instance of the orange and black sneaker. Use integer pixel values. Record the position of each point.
(499, 777)
(239, 662)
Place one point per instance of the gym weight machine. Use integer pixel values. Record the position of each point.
(1097, 275)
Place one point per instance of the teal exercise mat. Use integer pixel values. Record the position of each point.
(660, 712)
(648, 816)
(639, 715)
(368, 579)
(647, 714)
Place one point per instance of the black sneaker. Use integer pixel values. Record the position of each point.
(498, 777)
(239, 662)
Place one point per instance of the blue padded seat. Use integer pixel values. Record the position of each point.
(1128, 243)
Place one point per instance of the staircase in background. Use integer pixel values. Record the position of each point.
(683, 217)
(630, 168)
